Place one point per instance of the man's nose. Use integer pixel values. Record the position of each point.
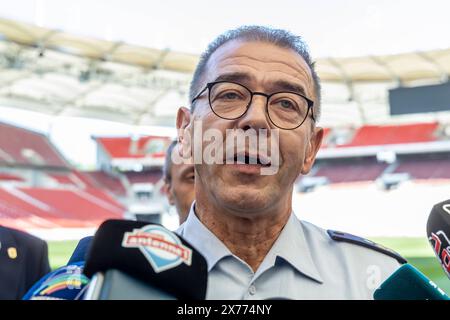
(256, 116)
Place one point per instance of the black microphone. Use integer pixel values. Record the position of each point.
(65, 283)
(438, 232)
(137, 260)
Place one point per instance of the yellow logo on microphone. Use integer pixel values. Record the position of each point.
(12, 253)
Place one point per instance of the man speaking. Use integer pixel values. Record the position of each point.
(260, 84)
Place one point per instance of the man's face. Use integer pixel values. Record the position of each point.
(261, 67)
(180, 189)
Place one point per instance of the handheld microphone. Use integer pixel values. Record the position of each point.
(80, 252)
(65, 283)
(408, 283)
(137, 260)
(438, 232)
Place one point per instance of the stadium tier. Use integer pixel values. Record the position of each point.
(39, 189)
(151, 176)
(10, 177)
(379, 135)
(65, 178)
(109, 182)
(129, 148)
(389, 134)
(351, 172)
(422, 169)
(403, 152)
(24, 147)
(53, 208)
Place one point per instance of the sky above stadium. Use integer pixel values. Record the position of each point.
(331, 28)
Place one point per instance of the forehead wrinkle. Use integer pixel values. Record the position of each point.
(296, 77)
(274, 85)
(299, 67)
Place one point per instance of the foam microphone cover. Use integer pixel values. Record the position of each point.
(408, 283)
(80, 252)
(438, 232)
(151, 254)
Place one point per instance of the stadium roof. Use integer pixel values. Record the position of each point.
(59, 73)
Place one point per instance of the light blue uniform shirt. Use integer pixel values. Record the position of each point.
(303, 263)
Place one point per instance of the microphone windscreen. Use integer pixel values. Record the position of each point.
(408, 283)
(438, 232)
(150, 253)
(80, 252)
(65, 283)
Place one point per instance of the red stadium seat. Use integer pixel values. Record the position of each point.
(21, 146)
(371, 135)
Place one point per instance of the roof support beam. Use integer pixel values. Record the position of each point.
(347, 80)
(149, 110)
(443, 76)
(395, 77)
(82, 95)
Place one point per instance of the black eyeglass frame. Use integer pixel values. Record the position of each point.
(209, 85)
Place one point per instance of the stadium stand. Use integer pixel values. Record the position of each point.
(368, 164)
(136, 164)
(39, 189)
(18, 146)
(150, 176)
(107, 181)
(353, 171)
(65, 178)
(393, 134)
(128, 148)
(10, 177)
(420, 168)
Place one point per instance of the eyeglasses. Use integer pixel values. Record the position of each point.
(231, 100)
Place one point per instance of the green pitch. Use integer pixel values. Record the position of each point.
(59, 252)
(416, 250)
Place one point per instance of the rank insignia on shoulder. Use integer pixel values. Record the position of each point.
(350, 238)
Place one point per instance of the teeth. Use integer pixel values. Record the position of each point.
(243, 159)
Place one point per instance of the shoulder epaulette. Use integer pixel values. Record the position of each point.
(346, 237)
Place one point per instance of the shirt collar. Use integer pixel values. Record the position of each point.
(291, 246)
(206, 242)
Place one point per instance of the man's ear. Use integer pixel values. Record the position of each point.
(313, 147)
(184, 135)
(165, 189)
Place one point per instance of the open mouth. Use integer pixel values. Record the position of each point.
(250, 160)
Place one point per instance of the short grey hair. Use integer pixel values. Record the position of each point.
(279, 37)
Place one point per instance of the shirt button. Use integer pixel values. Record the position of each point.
(252, 290)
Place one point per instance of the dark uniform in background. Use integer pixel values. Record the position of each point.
(23, 261)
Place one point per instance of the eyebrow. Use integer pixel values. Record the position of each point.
(235, 76)
(282, 85)
(277, 86)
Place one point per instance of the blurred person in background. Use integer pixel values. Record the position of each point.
(178, 183)
(23, 261)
